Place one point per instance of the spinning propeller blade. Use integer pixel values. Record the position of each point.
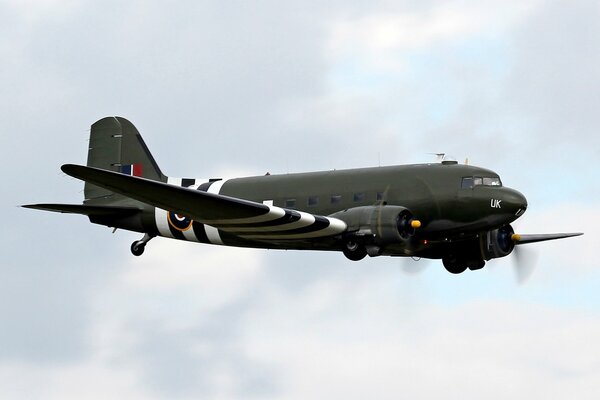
(524, 262)
(524, 239)
(525, 259)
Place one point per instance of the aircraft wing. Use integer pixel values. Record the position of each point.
(241, 217)
(109, 211)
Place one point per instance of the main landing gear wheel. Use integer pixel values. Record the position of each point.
(138, 247)
(354, 251)
(454, 265)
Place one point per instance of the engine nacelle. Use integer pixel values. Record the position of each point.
(497, 243)
(384, 224)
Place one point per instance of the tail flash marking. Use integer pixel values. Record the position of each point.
(132, 169)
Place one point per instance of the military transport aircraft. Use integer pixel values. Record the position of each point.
(458, 213)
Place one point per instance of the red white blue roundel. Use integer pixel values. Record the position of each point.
(179, 222)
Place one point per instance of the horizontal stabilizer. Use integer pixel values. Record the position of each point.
(83, 209)
(524, 239)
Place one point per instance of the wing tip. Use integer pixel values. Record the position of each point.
(70, 169)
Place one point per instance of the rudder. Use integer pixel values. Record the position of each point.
(116, 145)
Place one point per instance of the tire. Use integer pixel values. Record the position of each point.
(354, 251)
(137, 249)
(454, 265)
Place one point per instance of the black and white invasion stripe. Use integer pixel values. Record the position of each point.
(277, 224)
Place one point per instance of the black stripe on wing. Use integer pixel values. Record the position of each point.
(321, 223)
(289, 218)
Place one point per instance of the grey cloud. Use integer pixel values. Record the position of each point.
(556, 80)
(192, 362)
(44, 291)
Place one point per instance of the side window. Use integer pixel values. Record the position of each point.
(358, 197)
(290, 203)
(336, 199)
(478, 181)
(467, 182)
(313, 201)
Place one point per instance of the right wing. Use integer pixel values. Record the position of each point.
(240, 217)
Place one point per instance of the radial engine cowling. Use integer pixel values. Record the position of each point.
(497, 243)
(385, 224)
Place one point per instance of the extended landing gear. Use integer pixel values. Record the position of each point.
(354, 251)
(138, 247)
(456, 265)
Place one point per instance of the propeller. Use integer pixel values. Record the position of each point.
(524, 239)
(411, 266)
(524, 263)
(407, 266)
(525, 259)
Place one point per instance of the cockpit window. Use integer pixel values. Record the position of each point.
(492, 182)
(469, 182)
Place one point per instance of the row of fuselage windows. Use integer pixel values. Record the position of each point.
(313, 201)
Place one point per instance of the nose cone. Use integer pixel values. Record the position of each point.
(514, 202)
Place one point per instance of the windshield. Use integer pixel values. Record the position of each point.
(469, 182)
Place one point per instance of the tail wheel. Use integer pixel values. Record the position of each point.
(137, 248)
(354, 251)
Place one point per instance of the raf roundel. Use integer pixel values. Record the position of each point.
(179, 222)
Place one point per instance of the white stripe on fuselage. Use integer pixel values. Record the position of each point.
(162, 218)
(216, 186)
(212, 233)
(162, 222)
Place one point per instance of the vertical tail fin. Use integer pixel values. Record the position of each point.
(116, 145)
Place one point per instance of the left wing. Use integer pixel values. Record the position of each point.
(240, 217)
(85, 209)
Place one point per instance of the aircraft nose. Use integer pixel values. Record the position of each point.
(516, 202)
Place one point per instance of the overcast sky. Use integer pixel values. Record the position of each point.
(240, 88)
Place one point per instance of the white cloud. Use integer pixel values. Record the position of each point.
(183, 267)
(490, 350)
(381, 40)
(346, 336)
(565, 259)
(93, 379)
(33, 11)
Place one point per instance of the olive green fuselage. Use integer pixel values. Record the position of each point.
(432, 193)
